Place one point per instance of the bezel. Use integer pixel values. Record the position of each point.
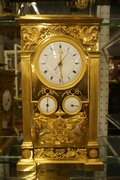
(72, 42)
(54, 109)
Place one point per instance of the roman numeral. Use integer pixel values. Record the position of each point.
(59, 80)
(51, 77)
(74, 54)
(74, 71)
(45, 55)
(45, 71)
(51, 48)
(60, 46)
(77, 63)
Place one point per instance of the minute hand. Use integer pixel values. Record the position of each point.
(61, 61)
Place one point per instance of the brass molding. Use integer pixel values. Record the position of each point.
(58, 19)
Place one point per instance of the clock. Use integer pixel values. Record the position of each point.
(47, 104)
(72, 104)
(59, 53)
(6, 100)
(60, 62)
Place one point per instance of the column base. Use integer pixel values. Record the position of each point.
(26, 169)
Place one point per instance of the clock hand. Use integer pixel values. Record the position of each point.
(61, 61)
(47, 105)
(60, 64)
(72, 105)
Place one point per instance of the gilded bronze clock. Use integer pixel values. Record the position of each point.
(59, 61)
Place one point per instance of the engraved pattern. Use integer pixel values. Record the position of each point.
(60, 153)
(87, 36)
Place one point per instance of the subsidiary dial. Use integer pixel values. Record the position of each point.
(72, 104)
(47, 105)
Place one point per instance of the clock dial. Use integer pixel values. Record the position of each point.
(47, 104)
(72, 104)
(60, 63)
(6, 100)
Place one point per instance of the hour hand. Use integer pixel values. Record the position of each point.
(60, 59)
(60, 64)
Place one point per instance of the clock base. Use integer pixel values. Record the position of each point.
(85, 165)
(46, 169)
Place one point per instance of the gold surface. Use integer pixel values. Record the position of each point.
(60, 139)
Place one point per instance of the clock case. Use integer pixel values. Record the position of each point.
(44, 140)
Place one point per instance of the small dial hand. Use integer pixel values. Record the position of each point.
(74, 105)
(47, 105)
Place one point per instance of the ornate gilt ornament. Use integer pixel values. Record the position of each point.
(73, 91)
(60, 130)
(93, 153)
(82, 4)
(61, 153)
(47, 91)
(26, 153)
(88, 36)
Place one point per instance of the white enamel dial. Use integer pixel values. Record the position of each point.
(60, 63)
(72, 104)
(47, 104)
(6, 100)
